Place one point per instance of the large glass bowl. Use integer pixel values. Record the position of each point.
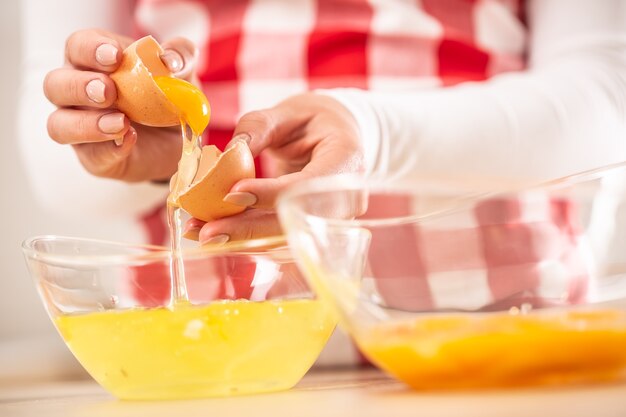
(251, 323)
(459, 287)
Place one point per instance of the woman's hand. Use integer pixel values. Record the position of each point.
(106, 142)
(305, 136)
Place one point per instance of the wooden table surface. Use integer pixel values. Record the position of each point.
(339, 392)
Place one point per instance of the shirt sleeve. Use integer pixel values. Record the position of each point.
(564, 114)
(57, 178)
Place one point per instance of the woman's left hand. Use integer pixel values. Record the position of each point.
(305, 136)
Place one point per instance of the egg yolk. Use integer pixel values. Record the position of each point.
(492, 350)
(190, 101)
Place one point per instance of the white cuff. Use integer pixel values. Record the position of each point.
(370, 128)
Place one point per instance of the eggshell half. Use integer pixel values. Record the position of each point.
(216, 175)
(138, 96)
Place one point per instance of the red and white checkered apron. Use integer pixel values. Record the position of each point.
(255, 53)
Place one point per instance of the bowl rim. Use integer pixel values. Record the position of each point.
(274, 246)
(472, 189)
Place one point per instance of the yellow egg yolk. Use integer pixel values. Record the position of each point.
(494, 350)
(190, 101)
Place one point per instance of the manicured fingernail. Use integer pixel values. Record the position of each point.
(95, 91)
(106, 54)
(217, 240)
(241, 199)
(111, 123)
(172, 60)
(130, 135)
(192, 230)
(244, 137)
(192, 234)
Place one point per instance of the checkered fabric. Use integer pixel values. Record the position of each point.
(254, 53)
(494, 253)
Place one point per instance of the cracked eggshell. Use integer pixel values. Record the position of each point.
(217, 173)
(138, 96)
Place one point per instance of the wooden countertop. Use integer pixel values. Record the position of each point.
(338, 392)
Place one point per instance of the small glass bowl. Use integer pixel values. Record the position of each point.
(251, 323)
(456, 287)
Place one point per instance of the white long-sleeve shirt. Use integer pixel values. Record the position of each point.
(565, 114)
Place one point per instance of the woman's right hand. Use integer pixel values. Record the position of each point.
(106, 142)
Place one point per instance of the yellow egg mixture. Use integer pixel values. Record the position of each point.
(225, 348)
(492, 350)
(184, 351)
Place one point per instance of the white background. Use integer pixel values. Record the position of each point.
(28, 341)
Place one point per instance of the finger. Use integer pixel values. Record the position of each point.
(192, 229)
(250, 224)
(268, 128)
(106, 159)
(69, 87)
(95, 49)
(70, 126)
(328, 159)
(180, 56)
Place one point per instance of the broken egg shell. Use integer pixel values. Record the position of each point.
(138, 96)
(217, 173)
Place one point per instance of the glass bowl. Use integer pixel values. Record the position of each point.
(459, 287)
(251, 323)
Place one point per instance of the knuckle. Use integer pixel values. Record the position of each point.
(82, 127)
(259, 117)
(77, 46)
(75, 91)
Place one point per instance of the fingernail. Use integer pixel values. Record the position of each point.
(95, 91)
(111, 123)
(131, 135)
(106, 54)
(192, 230)
(241, 199)
(240, 137)
(172, 60)
(217, 240)
(192, 233)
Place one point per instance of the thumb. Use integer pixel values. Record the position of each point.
(269, 128)
(262, 193)
(180, 56)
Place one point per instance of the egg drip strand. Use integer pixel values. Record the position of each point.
(193, 107)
